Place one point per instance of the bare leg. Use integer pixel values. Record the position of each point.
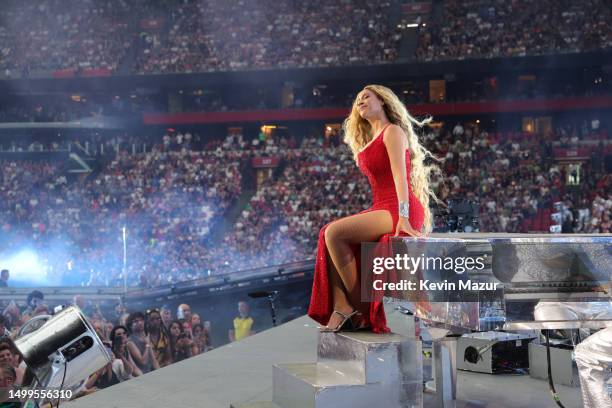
(339, 236)
(341, 301)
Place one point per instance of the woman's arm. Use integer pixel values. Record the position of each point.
(168, 355)
(149, 350)
(121, 369)
(93, 378)
(140, 359)
(136, 372)
(152, 357)
(128, 367)
(395, 142)
(208, 342)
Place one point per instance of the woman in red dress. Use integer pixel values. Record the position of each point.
(379, 131)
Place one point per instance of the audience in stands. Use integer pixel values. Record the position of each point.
(485, 29)
(116, 36)
(156, 196)
(169, 198)
(221, 36)
(511, 175)
(55, 35)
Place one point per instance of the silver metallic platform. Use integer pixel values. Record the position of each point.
(352, 369)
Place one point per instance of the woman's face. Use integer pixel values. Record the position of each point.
(197, 331)
(155, 320)
(368, 105)
(195, 319)
(175, 329)
(99, 328)
(6, 357)
(121, 335)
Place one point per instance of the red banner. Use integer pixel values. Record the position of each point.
(416, 8)
(151, 23)
(435, 109)
(572, 153)
(64, 73)
(265, 161)
(93, 72)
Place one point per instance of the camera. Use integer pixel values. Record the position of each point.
(462, 216)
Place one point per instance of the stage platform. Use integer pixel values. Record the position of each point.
(242, 372)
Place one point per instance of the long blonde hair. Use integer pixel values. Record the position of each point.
(357, 131)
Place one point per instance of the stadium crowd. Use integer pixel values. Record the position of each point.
(318, 183)
(170, 198)
(184, 36)
(486, 29)
(56, 34)
(166, 200)
(215, 35)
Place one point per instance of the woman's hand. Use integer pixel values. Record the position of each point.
(403, 226)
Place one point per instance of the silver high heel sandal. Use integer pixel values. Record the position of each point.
(346, 321)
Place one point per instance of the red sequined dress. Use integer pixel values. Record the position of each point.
(373, 161)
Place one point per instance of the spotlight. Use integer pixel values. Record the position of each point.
(63, 352)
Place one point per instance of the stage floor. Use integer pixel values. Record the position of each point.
(242, 371)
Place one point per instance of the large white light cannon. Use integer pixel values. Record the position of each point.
(64, 352)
